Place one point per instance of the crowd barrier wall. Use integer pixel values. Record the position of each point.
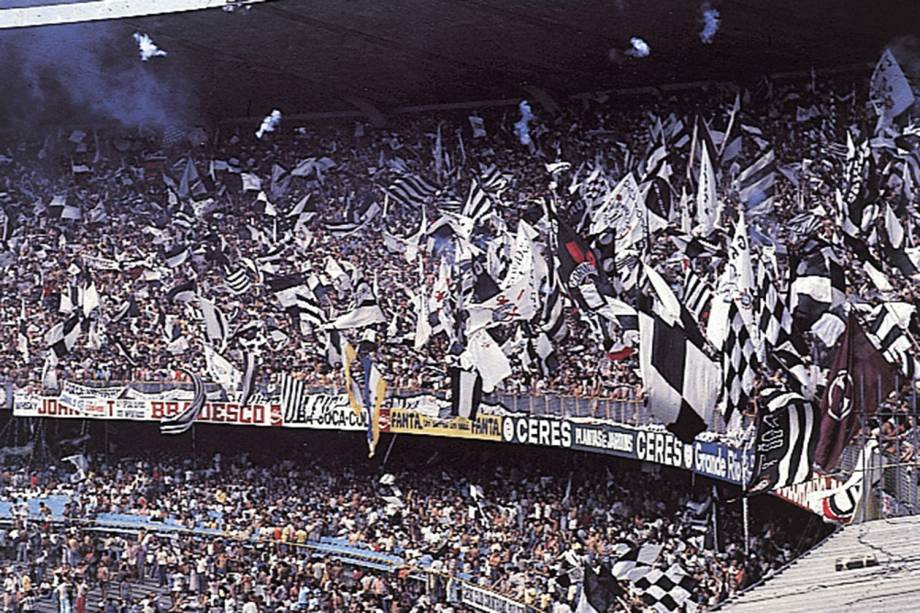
(622, 428)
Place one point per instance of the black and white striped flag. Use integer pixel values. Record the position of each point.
(756, 184)
(238, 281)
(465, 393)
(249, 376)
(787, 434)
(215, 323)
(478, 202)
(293, 394)
(887, 327)
(493, 180)
(412, 191)
(182, 422)
(697, 294)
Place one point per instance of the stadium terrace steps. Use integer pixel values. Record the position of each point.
(812, 582)
(94, 602)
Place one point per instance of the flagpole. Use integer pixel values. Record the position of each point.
(389, 449)
(745, 511)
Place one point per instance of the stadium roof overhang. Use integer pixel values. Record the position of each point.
(316, 55)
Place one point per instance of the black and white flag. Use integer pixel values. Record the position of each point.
(465, 393)
(739, 363)
(215, 323)
(887, 327)
(250, 366)
(667, 590)
(63, 337)
(177, 255)
(787, 434)
(412, 191)
(697, 294)
(365, 312)
(683, 383)
(756, 185)
(182, 422)
(294, 394)
(238, 281)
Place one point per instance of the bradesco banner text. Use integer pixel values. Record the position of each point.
(148, 410)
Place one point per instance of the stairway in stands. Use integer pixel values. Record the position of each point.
(94, 597)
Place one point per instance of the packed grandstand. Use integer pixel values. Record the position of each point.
(647, 350)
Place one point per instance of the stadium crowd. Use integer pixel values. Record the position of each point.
(517, 538)
(131, 218)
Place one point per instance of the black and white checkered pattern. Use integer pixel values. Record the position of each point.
(775, 321)
(683, 383)
(633, 563)
(739, 363)
(667, 590)
(697, 294)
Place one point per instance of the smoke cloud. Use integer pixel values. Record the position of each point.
(520, 126)
(710, 21)
(88, 73)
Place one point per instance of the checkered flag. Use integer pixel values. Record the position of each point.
(633, 563)
(739, 363)
(668, 590)
(775, 319)
(780, 348)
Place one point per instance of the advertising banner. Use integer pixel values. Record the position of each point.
(422, 414)
(325, 412)
(485, 428)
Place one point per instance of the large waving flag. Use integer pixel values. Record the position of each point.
(182, 422)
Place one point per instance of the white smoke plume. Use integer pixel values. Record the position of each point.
(146, 47)
(638, 48)
(520, 126)
(269, 124)
(710, 21)
(89, 73)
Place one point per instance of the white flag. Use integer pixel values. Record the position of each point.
(741, 271)
(484, 354)
(221, 370)
(620, 212)
(890, 91)
(251, 182)
(707, 206)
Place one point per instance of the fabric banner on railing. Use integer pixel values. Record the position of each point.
(421, 414)
(325, 411)
(484, 428)
(481, 599)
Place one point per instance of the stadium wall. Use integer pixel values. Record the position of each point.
(424, 414)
